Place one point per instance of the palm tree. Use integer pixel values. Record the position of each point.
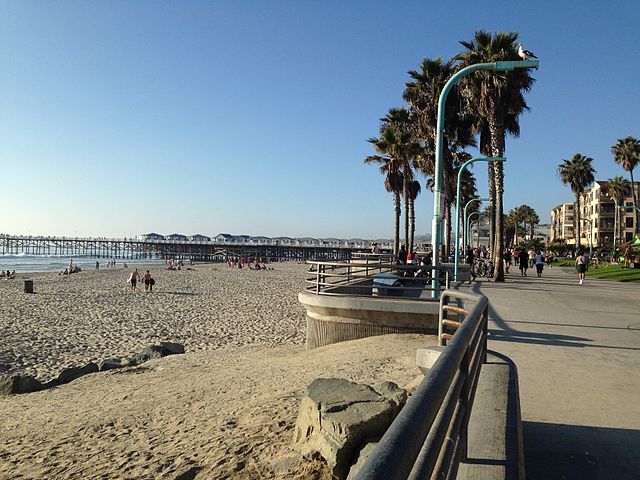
(496, 100)
(618, 189)
(578, 173)
(529, 217)
(422, 93)
(626, 153)
(511, 223)
(388, 146)
(400, 121)
(414, 191)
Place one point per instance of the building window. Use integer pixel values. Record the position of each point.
(628, 236)
(628, 204)
(628, 222)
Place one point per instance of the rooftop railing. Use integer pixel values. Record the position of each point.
(428, 438)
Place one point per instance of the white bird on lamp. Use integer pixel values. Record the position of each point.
(525, 54)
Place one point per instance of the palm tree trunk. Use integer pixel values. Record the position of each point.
(496, 130)
(635, 201)
(498, 273)
(412, 222)
(577, 220)
(396, 222)
(447, 232)
(405, 195)
(492, 204)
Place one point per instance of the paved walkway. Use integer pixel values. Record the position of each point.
(577, 348)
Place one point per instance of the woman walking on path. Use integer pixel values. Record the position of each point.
(539, 263)
(581, 265)
(524, 262)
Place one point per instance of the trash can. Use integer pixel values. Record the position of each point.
(28, 286)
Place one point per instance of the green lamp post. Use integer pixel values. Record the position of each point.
(458, 188)
(436, 228)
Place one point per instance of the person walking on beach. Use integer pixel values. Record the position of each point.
(133, 279)
(149, 282)
(532, 257)
(581, 265)
(524, 262)
(539, 263)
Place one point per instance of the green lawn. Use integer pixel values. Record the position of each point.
(607, 271)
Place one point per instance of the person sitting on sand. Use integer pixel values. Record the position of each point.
(11, 275)
(133, 279)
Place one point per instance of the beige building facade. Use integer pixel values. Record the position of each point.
(600, 225)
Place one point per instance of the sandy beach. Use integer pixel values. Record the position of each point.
(92, 315)
(225, 409)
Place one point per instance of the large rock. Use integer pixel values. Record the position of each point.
(12, 384)
(363, 456)
(70, 374)
(171, 348)
(337, 416)
(149, 353)
(110, 364)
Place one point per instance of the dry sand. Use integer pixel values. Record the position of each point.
(225, 409)
(92, 315)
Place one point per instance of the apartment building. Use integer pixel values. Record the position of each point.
(601, 223)
(562, 222)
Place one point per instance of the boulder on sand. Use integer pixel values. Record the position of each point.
(338, 416)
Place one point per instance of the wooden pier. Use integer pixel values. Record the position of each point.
(162, 249)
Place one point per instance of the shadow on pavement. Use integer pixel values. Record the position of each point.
(505, 333)
(556, 451)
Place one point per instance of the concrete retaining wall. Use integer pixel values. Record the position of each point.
(333, 319)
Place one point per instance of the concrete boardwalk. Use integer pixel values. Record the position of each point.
(577, 349)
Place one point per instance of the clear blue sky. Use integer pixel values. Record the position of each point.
(252, 116)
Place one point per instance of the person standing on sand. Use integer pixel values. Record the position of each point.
(133, 279)
(581, 265)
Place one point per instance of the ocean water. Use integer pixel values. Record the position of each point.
(56, 263)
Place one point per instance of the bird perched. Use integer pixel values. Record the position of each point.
(525, 54)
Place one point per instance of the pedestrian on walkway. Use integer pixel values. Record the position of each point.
(507, 260)
(539, 263)
(523, 258)
(581, 265)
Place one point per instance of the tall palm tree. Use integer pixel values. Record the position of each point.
(529, 217)
(414, 191)
(497, 100)
(511, 223)
(422, 93)
(578, 173)
(388, 146)
(618, 189)
(400, 121)
(626, 153)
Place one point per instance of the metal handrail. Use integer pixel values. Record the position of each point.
(428, 438)
(351, 276)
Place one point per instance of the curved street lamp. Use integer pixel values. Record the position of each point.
(436, 227)
(464, 219)
(458, 188)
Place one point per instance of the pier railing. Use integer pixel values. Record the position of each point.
(374, 275)
(428, 438)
